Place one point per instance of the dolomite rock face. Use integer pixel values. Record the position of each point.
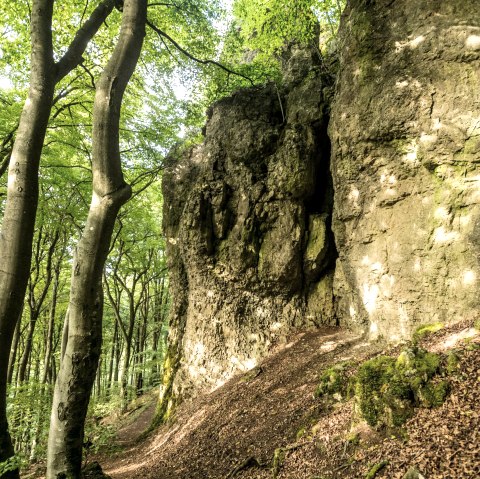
(247, 220)
(405, 132)
(254, 251)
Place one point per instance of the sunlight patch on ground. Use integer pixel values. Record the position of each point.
(178, 434)
(452, 340)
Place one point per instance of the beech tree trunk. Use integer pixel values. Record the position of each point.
(16, 235)
(84, 330)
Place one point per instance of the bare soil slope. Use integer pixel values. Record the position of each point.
(238, 430)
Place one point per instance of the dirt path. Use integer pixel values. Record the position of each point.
(129, 434)
(248, 417)
(233, 433)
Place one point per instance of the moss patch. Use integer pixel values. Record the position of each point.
(334, 381)
(375, 469)
(423, 331)
(387, 389)
(278, 460)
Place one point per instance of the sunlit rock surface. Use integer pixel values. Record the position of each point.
(247, 220)
(405, 134)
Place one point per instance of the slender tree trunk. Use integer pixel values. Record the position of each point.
(13, 352)
(112, 358)
(79, 363)
(99, 377)
(124, 374)
(25, 360)
(22, 198)
(51, 326)
(118, 355)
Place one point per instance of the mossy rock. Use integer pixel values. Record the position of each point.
(334, 381)
(388, 389)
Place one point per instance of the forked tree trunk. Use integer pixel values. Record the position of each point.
(16, 235)
(84, 331)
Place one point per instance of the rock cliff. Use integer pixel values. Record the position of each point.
(405, 134)
(254, 249)
(247, 219)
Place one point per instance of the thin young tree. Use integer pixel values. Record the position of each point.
(83, 327)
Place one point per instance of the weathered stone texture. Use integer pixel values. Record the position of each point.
(248, 213)
(405, 134)
(247, 221)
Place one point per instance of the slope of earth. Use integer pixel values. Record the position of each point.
(268, 423)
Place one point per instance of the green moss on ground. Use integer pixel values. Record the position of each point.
(426, 329)
(388, 389)
(375, 469)
(334, 380)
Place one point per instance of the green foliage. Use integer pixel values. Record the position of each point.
(259, 32)
(11, 464)
(28, 410)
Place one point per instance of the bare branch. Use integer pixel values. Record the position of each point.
(162, 34)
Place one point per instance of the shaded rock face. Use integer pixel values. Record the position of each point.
(247, 219)
(405, 134)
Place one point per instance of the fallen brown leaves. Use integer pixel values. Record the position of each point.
(245, 421)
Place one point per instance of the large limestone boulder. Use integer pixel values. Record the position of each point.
(247, 220)
(405, 133)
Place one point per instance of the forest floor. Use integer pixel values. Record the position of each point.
(271, 412)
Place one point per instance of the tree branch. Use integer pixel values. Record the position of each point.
(162, 34)
(73, 55)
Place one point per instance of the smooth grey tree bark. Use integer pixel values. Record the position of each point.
(22, 197)
(84, 329)
(16, 235)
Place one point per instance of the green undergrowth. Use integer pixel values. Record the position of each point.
(387, 389)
